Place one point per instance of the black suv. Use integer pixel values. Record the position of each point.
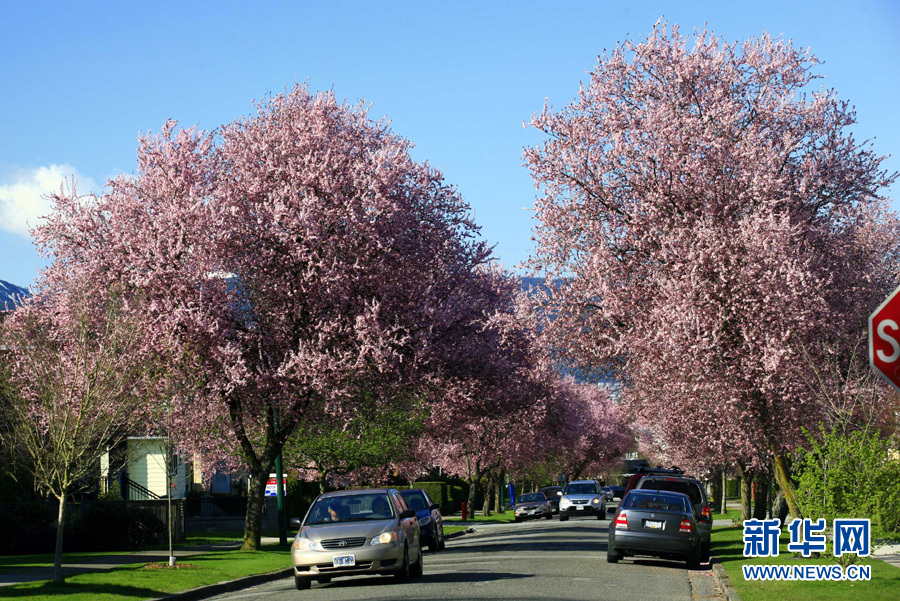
(642, 471)
(551, 493)
(693, 488)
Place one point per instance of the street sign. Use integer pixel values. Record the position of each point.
(272, 483)
(884, 339)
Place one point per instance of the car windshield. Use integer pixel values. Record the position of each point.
(534, 497)
(582, 488)
(415, 499)
(655, 501)
(350, 508)
(690, 489)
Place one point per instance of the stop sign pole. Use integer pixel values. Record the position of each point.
(884, 339)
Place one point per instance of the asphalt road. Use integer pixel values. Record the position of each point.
(547, 560)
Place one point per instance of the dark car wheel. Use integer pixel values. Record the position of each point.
(704, 552)
(563, 518)
(549, 516)
(301, 583)
(443, 543)
(402, 573)
(517, 519)
(612, 556)
(416, 570)
(693, 560)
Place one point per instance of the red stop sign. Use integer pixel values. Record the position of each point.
(884, 339)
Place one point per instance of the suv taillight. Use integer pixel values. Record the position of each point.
(622, 521)
(685, 527)
(705, 513)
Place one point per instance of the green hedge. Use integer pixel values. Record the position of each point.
(459, 494)
(438, 493)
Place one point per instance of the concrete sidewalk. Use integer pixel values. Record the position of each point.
(20, 574)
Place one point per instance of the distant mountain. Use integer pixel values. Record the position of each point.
(11, 295)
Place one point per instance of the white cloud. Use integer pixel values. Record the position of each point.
(23, 195)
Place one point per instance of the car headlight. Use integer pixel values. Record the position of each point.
(384, 538)
(596, 500)
(304, 544)
(425, 521)
(564, 502)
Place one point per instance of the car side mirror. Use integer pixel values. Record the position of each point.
(434, 506)
(296, 523)
(407, 513)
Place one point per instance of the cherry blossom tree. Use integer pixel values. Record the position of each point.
(710, 214)
(590, 430)
(74, 372)
(298, 259)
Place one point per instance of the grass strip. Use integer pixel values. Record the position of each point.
(727, 544)
(501, 518)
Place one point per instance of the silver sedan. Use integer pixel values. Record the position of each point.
(346, 533)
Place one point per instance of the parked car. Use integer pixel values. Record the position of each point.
(657, 523)
(607, 493)
(581, 497)
(431, 522)
(642, 471)
(344, 533)
(552, 493)
(532, 506)
(693, 488)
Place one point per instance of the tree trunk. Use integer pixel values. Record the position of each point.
(783, 478)
(488, 493)
(60, 526)
(323, 481)
(256, 499)
(723, 508)
(498, 497)
(761, 502)
(715, 486)
(745, 493)
(474, 479)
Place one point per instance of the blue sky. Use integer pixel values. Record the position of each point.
(79, 81)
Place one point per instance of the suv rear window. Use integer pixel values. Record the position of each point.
(657, 502)
(691, 489)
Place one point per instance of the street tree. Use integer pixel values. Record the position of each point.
(73, 370)
(299, 257)
(704, 214)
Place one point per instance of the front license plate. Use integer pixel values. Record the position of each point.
(653, 525)
(579, 507)
(531, 512)
(344, 561)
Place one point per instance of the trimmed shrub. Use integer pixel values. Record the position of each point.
(458, 495)
(26, 528)
(438, 493)
(113, 526)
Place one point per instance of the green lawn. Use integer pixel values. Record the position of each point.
(727, 544)
(494, 517)
(135, 582)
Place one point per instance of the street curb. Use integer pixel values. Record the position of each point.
(724, 581)
(456, 534)
(211, 590)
